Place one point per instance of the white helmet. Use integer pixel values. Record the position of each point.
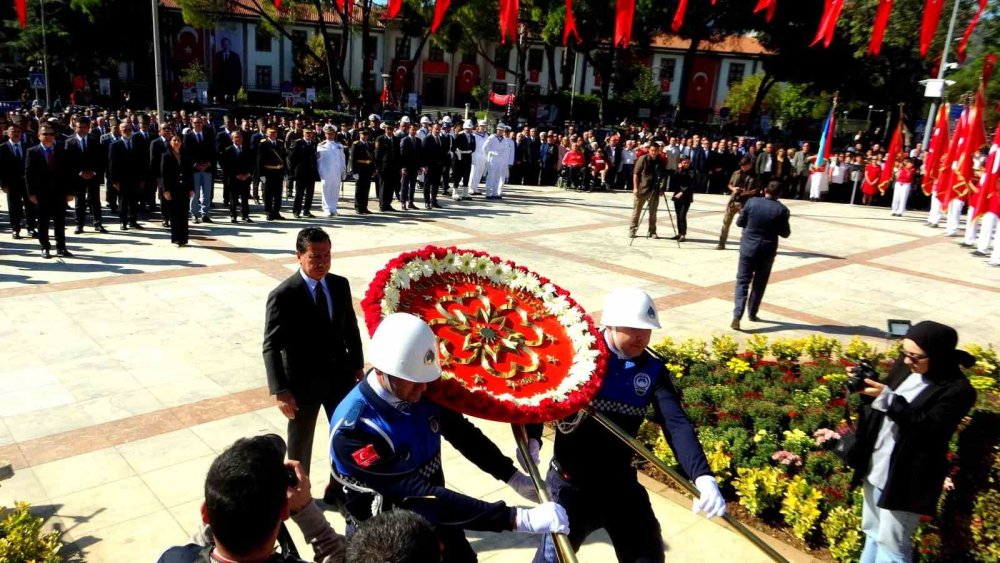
(468, 124)
(629, 307)
(404, 120)
(405, 347)
(446, 120)
(374, 117)
(425, 120)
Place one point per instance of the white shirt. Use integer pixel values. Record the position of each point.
(330, 161)
(628, 156)
(381, 391)
(887, 433)
(312, 290)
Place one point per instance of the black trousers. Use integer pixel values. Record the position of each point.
(362, 187)
(23, 213)
(226, 188)
(751, 281)
(177, 210)
(128, 201)
(682, 206)
(239, 196)
(111, 195)
(290, 186)
(432, 184)
(445, 180)
(461, 171)
(302, 427)
(304, 192)
(389, 179)
(272, 194)
(408, 186)
(88, 196)
(53, 212)
(620, 508)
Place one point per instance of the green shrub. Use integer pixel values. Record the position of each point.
(759, 489)
(842, 532)
(800, 507)
(22, 539)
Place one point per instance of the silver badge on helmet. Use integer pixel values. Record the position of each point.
(641, 384)
(651, 312)
(429, 357)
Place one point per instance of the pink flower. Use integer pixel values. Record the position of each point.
(949, 485)
(785, 457)
(824, 435)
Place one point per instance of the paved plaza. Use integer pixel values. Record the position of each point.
(132, 365)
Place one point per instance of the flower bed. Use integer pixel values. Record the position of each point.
(768, 417)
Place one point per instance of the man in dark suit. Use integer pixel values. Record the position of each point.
(387, 167)
(763, 219)
(127, 173)
(12, 155)
(435, 155)
(411, 160)
(199, 147)
(271, 168)
(157, 148)
(84, 154)
(699, 163)
(108, 139)
(362, 162)
(238, 165)
(227, 72)
(223, 140)
(766, 165)
(302, 166)
(312, 345)
(45, 170)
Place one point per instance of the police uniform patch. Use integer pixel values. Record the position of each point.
(365, 456)
(641, 384)
(651, 313)
(435, 425)
(429, 358)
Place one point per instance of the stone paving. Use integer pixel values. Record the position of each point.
(130, 366)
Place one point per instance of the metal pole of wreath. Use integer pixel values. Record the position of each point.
(563, 548)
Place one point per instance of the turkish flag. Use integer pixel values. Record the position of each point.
(928, 27)
(664, 86)
(570, 28)
(964, 180)
(701, 88)
(399, 76)
(682, 7)
(440, 8)
(889, 166)
(987, 199)
(828, 25)
(935, 150)
(881, 22)
(624, 12)
(944, 181)
(21, 6)
(533, 76)
(770, 5)
(394, 7)
(468, 77)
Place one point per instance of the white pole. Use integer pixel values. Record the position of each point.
(45, 57)
(157, 64)
(941, 70)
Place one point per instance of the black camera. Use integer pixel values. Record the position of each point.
(864, 370)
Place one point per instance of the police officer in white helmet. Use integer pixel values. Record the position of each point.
(385, 447)
(591, 471)
(425, 128)
(465, 147)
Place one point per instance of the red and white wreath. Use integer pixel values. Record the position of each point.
(514, 346)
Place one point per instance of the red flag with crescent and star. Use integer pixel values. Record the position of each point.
(929, 24)
(769, 7)
(987, 197)
(935, 150)
(964, 44)
(944, 182)
(440, 8)
(682, 7)
(828, 25)
(889, 166)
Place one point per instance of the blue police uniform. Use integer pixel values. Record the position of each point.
(390, 457)
(592, 474)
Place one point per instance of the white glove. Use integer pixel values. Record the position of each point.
(710, 501)
(524, 486)
(543, 519)
(534, 446)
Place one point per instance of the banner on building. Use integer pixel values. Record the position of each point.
(467, 79)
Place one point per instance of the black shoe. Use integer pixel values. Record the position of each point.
(17, 235)
(735, 325)
(755, 318)
(232, 220)
(247, 220)
(980, 253)
(166, 224)
(964, 244)
(32, 233)
(124, 226)
(136, 226)
(297, 215)
(436, 206)
(428, 207)
(100, 229)
(78, 230)
(720, 247)
(279, 217)
(46, 254)
(197, 220)
(675, 237)
(207, 219)
(411, 206)
(652, 236)
(64, 253)
(307, 214)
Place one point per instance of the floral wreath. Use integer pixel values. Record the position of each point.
(514, 347)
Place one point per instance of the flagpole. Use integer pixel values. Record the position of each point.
(940, 76)
(45, 57)
(157, 64)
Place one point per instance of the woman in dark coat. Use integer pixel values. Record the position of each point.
(177, 189)
(903, 435)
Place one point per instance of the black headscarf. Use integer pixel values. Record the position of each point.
(939, 342)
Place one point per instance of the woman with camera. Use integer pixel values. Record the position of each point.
(902, 438)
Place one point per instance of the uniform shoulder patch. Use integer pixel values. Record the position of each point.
(353, 414)
(365, 456)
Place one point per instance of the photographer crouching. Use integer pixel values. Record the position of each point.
(903, 434)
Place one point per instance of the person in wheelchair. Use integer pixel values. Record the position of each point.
(573, 171)
(597, 170)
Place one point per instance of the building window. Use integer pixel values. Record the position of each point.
(403, 48)
(736, 73)
(502, 55)
(667, 66)
(264, 77)
(435, 54)
(535, 59)
(534, 89)
(469, 57)
(262, 40)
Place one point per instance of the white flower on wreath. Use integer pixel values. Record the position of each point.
(450, 263)
(414, 270)
(466, 263)
(533, 284)
(399, 278)
(483, 265)
(558, 306)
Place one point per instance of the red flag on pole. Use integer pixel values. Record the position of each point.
(21, 6)
(570, 28)
(624, 11)
(975, 136)
(770, 5)
(932, 14)
(828, 25)
(440, 8)
(889, 166)
(935, 149)
(508, 19)
(987, 199)
(881, 22)
(384, 98)
(393, 8)
(968, 32)
(944, 182)
(682, 7)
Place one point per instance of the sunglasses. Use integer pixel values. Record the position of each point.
(913, 357)
(48, 134)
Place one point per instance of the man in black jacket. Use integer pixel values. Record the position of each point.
(763, 219)
(312, 345)
(199, 147)
(302, 166)
(127, 174)
(45, 170)
(238, 166)
(12, 155)
(465, 146)
(682, 184)
(387, 166)
(412, 163)
(84, 154)
(271, 168)
(108, 139)
(157, 148)
(362, 163)
(434, 156)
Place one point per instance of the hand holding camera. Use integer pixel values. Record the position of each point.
(864, 380)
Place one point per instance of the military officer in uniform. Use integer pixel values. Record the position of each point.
(385, 445)
(362, 165)
(271, 167)
(742, 187)
(387, 163)
(591, 473)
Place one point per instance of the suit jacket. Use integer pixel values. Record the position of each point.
(466, 143)
(46, 183)
(699, 159)
(176, 175)
(761, 164)
(305, 352)
(918, 463)
(80, 159)
(270, 158)
(684, 184)
(763, 221)
(410, 154)
(202, 151)
(157, 148)
(302, 161)
(127, 166)
(234, 163)
(434, 153)
(12, 166)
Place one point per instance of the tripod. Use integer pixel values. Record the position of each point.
(673, 226)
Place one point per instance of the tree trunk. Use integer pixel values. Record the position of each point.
(568, 64)
(766, 83)
(336, 74)
(416, 58)
(550, 57)
(686, 74)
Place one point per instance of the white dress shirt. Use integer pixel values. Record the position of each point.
(312, 290)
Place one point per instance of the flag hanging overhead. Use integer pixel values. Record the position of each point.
(624, 11)
(508, 19)
(929, 25)
(881, 22)
(570, 28)
(828, 24)
(682, 7)
(935, 150)
(440, 8)
(769, 7)
(21, 6)
(964, 45)
(393, 9)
